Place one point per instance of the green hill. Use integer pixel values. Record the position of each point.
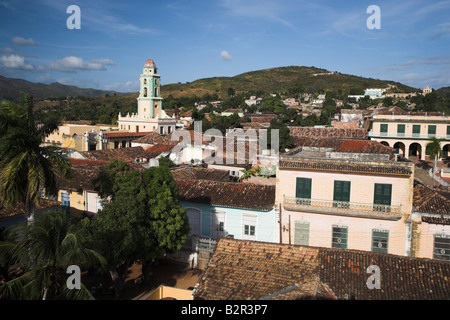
(10, 90)
(444, 92)
(279, 80)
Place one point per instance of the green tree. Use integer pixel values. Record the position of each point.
(435, 151)
(44, 250)
(285, 139)
(142, 221)
(26, 167)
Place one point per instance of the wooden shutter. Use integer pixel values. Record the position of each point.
(383, 127)
(303, 188)
(416, 129)
(382, 196)
(431, 129)
(341, 191)
(401, 129)
(301, 233)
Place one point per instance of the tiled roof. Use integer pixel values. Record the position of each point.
(154, 151)
(345, 145)
(242, 269)
(328, 133)
(125, 154)
(431, 200)
(199, 173)
(384, 168)
(227, 194)
(124, 134)
(83, 176)
(6, 212)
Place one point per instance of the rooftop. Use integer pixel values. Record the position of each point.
(227, 194)
(328, 133)
(242, 270)
(199, 174)
(347, 165)
(126, 154)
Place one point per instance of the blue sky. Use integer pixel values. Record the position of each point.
(194, 39)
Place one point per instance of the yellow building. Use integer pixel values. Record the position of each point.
(345, 202)
(409, 133)
(79, 137)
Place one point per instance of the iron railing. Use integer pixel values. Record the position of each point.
(341, 207)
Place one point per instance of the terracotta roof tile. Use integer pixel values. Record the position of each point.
(125, 154)
(227, 194)
(242, 269)
(199, 174)
(328, 133)
(384, 168)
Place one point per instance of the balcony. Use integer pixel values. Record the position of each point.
(355, 209)
(416, 136)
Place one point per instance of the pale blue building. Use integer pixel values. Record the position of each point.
(219, 209)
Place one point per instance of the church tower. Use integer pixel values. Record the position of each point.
(150, 116)
(149, 100)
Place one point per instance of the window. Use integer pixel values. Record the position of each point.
(301, 233)
(431, 130)
(249, 230)
(380, 239)
(116, 144)
(221, 226)
(382, 197)
(340, 236)
(416, 130)
(124, 144)
(65, 199)
(161, 130)
(384, 128)
(145, 81)
(303, 191)
(249, 223)
(441, 248)
(448, 130)
(341, 194)
(145, 92)
(401, 130)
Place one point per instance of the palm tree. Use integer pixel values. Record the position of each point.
(26, 167)
(435, 151)
(44, 250)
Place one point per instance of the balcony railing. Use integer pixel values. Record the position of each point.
(407, 135)
(342, 207)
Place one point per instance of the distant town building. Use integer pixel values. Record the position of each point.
(427, 90)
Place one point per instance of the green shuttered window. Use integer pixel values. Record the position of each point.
(341, 193)
(340, 237)
(382, 197)
(380, 239)
(303, 190)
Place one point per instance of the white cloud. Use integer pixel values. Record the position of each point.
(74, 64)
(6, 50)
(226, 56)
(14, 61)
(24, 42)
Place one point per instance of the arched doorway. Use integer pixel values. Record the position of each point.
(415, 151)
(399, 148)
(445, 152)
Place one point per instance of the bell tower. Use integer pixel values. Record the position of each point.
(149, 100)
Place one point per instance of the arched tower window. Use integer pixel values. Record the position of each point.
(145, 81)
(145, 92)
